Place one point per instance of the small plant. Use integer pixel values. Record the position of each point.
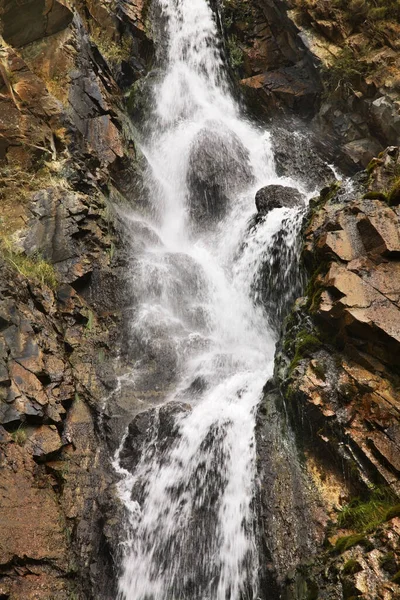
(235, 53)
(349, 541)
(114, 52)
(365, 516)
(306, 343)
(19, 436)
(90, 321)
(32, 267)
(345, 72)
(351, 567)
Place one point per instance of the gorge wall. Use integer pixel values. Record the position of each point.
(72, 91)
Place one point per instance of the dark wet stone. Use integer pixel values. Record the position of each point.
(218, 167)
(277, 196)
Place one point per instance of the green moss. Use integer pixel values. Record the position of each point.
(320, 370)
(375, 196)
(351, 567)
(348, 541)
(366, 515)
(312, 590)
(396, 578)
(394, 194)
(315, 288)
(373, 164)
(113, 51)
(393, 512)
(389, 563)
(306, 343)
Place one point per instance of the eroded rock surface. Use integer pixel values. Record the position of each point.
(338, 370)
(67, 156)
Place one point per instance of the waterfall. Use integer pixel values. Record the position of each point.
(187, 464)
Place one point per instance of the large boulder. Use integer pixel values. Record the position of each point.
(218, 168)
(277, 196)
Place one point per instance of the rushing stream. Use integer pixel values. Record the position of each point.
(191, 528)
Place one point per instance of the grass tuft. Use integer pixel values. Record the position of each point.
(34, 267)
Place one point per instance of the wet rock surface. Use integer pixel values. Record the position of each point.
(337, 367)
(277, 196)
(215, 173)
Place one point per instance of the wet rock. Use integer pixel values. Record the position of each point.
(152, 431)
(297, 155)
(277, 196)
(218, 167)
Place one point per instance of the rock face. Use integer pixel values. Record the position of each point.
(337, 368)
(275, 67)
(67, 155)
(334, 64)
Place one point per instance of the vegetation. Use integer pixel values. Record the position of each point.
(31, 267)
(359, 28)
(235, 53)
(351, 567)
(305, 344)
(348, 541)
(113, 51)
(19, 436)
(365, 516)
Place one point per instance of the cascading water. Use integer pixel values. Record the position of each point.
(189, 489)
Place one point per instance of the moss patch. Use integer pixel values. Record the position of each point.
(306, 343)
(366, 515)
(351, 567)
(348, 541)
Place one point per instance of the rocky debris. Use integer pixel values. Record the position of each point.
(338, 361)
(218, 167)
(277, 196)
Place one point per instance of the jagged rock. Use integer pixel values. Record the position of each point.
(277, 196)
(44, 441)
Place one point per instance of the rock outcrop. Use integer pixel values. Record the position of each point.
(277, 196)
(335, 64)
(337, 366)
(67, 156)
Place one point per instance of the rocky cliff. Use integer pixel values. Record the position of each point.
(337, 368)
(67, 160)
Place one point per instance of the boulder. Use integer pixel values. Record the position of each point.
(218, 168)
(159, 425)
(277, 196)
